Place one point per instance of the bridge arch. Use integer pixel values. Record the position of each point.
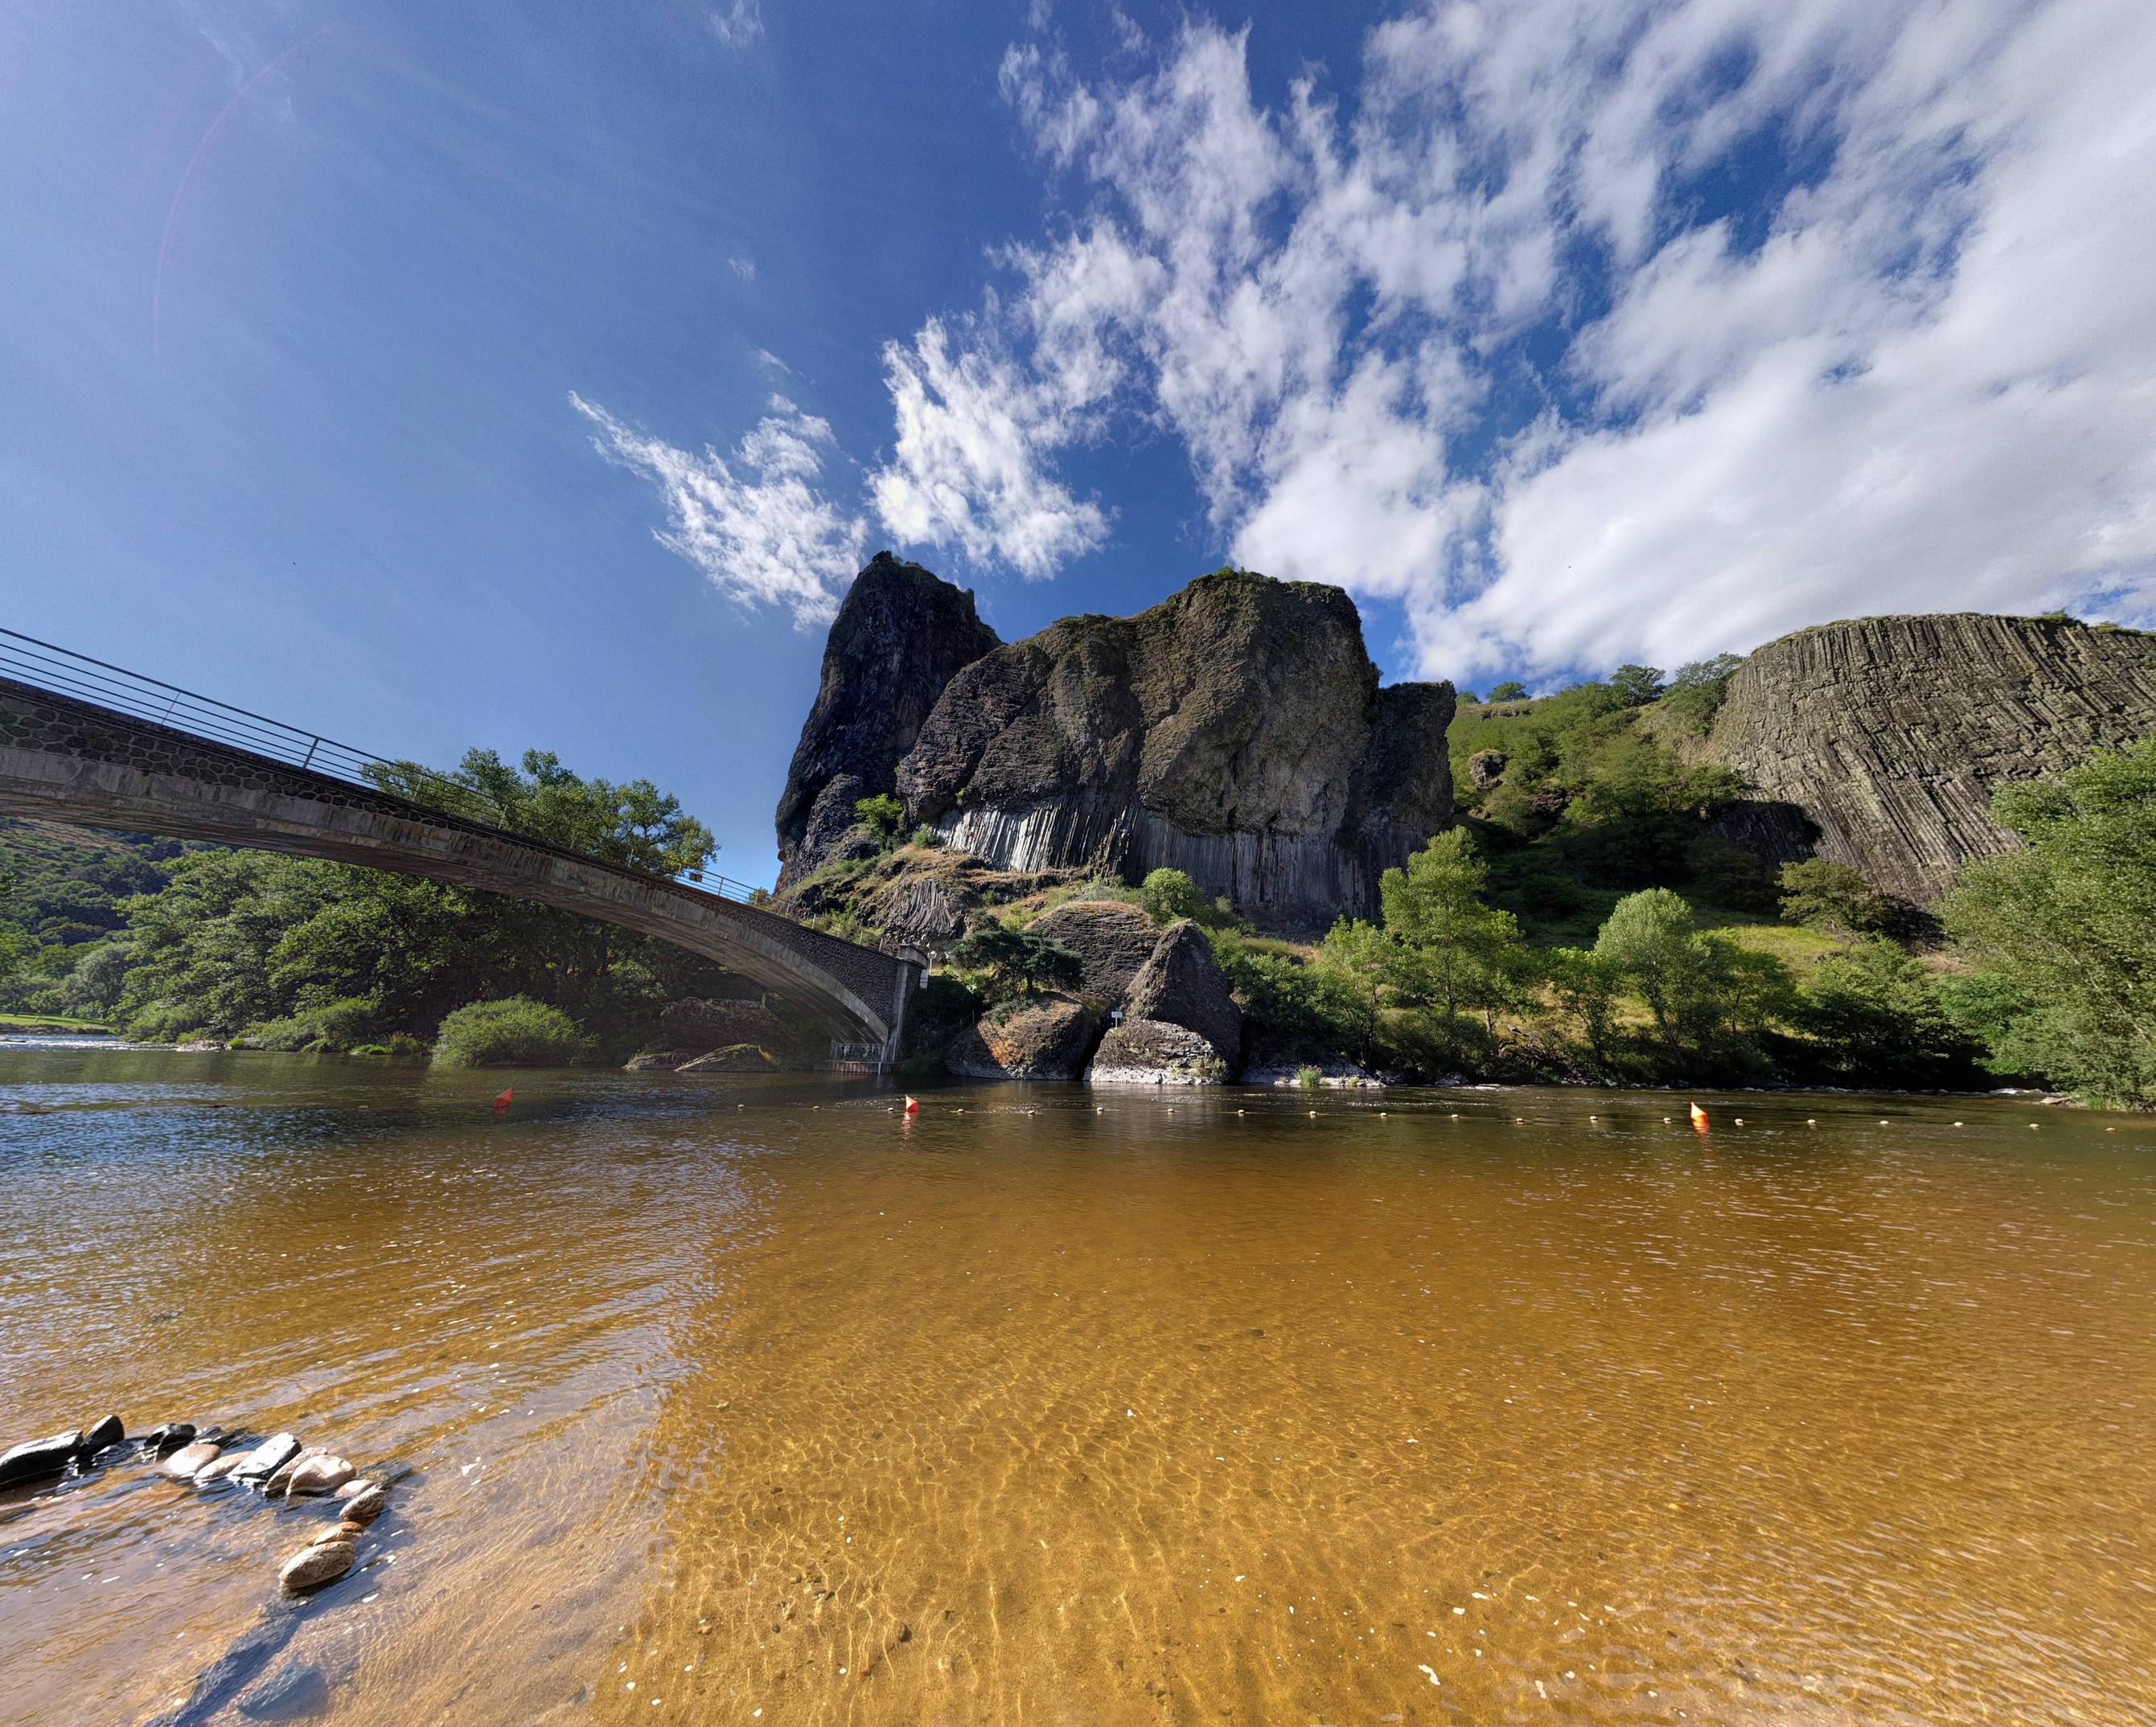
(67, 758)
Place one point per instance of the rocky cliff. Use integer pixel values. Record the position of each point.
(1236, 731)
(1877, 742)
(900, 636)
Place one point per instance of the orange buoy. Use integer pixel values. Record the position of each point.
(912, 1104)
(1699, 1118)
(502, 1101)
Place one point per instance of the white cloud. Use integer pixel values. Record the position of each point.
(740, 25)
(755, 524)
(969, 467)
(743, 267)
(1925, 378)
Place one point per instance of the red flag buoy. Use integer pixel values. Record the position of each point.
(502, 1101)
(1698, 1118)
(912, 1104)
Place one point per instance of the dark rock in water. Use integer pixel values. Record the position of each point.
(225, 1676)
(899, 636)
(1114, 940)
(268, 1457)
(289, 1695)
(1151, 1052)
(388, 1473)
(1236, 731)
(1182, 985)
(108, 1432)
(166, 1440)
(39, 1458)
(1046, 1038)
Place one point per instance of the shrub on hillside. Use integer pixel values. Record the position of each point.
(516, 1033)
(1169, 895)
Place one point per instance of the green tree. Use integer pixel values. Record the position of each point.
(881, 815)
(1509, 691)
(1006, 962)
(1454, 954)
(1648, 938)
(1170, 894)
(1877, 1012)
(2067, 925)
(1636, 685)
(1818, 891)
(1364, 961)
(1587, 986)
(633, 824)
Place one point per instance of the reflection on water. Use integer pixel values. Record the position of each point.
(744, 1396)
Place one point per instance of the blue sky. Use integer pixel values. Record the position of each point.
(515, 375)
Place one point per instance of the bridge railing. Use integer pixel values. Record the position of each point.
(28, 660)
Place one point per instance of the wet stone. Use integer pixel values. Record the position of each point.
(108, 1432)
(188, 1460)
(268, 1457)
(312, 1566)
(37, 1458)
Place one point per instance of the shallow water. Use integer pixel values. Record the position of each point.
(741, 1396)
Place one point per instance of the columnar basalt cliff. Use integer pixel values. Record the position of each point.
(1877, 742)
(1236, 731)
(901, 634)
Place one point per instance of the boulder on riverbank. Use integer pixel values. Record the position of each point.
(1042, 1038)
(1113, 940)
(1181, 984)
(1151, 1052)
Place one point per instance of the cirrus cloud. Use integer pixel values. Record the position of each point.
(755, 524)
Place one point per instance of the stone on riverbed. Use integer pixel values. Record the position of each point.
(282, 1477)
(170, 1437)
(268, 1457)
(108, 1432)
(319, 1473)
(39, 1458)
(211, 1473)
(190, 1460)
(287, 1695)
(367, 1504)
(311, 1567)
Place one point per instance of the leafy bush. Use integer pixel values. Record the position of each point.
(1509, 692)
(924, 836)
(2067, 929)
(1006, 963)
(1877, 1015)
(881, 815)
(1168, 896)
(1817, 891)
(515, 1033)
(1309, 1078)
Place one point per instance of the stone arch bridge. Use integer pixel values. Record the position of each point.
(86, 743)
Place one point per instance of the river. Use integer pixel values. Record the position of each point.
(746, 1401)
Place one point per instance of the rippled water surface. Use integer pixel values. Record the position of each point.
(741, 1401)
